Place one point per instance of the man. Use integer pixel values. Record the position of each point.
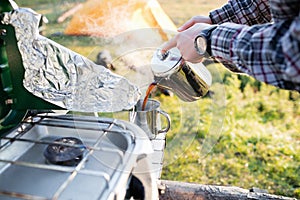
(257, 37)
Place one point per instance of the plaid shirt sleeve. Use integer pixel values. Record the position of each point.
(242, 12)
(269, 52)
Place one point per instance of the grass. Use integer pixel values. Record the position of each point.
(257, 147)
(243, 133)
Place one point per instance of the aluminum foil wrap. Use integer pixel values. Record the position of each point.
(63, 77)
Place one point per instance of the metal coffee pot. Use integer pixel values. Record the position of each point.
(187, 80)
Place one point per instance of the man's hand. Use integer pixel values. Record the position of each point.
(194, 20)
(184, 41)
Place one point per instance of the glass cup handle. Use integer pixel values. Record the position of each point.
(167, 116)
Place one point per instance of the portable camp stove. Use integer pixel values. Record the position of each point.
(68, 157)
(52, 156)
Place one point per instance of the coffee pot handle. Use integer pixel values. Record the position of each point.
(167, 116)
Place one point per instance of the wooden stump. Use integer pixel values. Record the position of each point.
(173, 190)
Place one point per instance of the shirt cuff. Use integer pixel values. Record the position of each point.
(222, 15)
(222, 37)
(221, 43)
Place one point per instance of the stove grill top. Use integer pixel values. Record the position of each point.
(107, 149)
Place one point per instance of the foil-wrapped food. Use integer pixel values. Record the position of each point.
(63, 77)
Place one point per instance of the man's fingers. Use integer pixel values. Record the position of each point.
(194, 20)
(186, 25)
(169, 45)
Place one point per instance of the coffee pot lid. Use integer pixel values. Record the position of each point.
(163, 64)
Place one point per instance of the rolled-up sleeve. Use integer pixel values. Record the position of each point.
(242, 12)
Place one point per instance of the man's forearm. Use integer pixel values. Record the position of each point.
(268, 52)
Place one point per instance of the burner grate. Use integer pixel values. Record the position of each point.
(106, 146)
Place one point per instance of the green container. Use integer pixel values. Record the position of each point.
(15, 100)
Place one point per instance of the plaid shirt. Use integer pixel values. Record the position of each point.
(260, 38)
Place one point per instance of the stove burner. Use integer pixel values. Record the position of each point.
(67, 152)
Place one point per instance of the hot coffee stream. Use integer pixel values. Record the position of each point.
(148, 92)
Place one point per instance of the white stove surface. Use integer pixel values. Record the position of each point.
(115, 150)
